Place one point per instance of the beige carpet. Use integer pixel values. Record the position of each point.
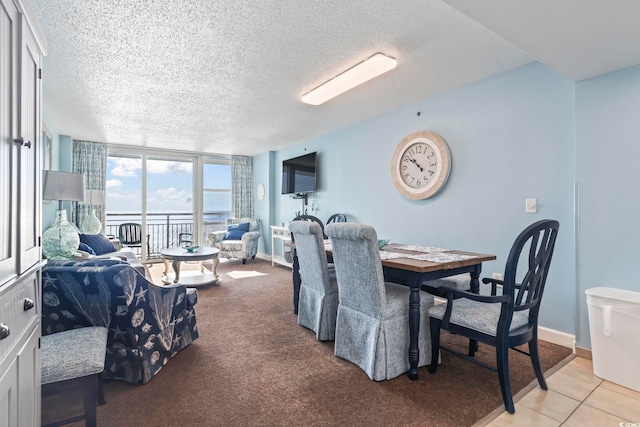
(254, 366)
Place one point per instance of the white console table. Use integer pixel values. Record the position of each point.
(281, 235)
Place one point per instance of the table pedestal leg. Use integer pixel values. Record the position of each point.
(166, 266)
(214, 267)
(176, 269)
(414, 329)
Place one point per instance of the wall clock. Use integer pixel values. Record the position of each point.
(421, 164)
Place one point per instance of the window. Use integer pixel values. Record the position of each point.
(163, 192)
(216, 194)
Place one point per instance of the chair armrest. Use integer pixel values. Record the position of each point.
(494, 284)
(249, 236)
(453, 293)
(217, 236)
(115, 243)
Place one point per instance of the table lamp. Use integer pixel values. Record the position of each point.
(91, 224)
(61, 240)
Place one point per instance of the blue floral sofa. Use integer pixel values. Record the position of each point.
(148, 324)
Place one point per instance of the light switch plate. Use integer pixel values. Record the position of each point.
(531, 206)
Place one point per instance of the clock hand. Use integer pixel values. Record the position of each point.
(416, 163)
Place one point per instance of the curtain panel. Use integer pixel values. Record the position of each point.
(242, 187)
(90, 159)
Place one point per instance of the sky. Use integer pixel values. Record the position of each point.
(169, 186)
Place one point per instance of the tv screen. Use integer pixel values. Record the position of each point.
(299, 174)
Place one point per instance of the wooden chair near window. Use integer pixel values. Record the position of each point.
(130, 234)
(185, 239)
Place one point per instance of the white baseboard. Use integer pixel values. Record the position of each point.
(265, 257)
(557, 337)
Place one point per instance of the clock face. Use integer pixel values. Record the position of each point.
(420, 165)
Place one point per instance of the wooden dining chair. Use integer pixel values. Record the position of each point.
(505, 320)
(338, 217)
(314, 219)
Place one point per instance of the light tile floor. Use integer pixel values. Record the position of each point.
(576, 397)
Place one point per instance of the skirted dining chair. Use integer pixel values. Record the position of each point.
(507, 320)
(372, 326)
(318, 303)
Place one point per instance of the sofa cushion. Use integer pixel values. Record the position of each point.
(86, 248)
(235, 231)
(98, 242)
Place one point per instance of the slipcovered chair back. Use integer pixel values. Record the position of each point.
(360, 282)
(372, 324)
(319, 291)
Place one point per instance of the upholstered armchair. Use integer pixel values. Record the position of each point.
(148, 324)
(244, 247)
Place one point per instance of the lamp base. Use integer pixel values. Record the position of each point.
(60, 240)
(91, 223)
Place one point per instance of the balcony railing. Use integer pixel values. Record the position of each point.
(164, 229)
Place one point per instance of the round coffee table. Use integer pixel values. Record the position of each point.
(201, 277)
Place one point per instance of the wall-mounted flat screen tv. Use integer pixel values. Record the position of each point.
(299, 174)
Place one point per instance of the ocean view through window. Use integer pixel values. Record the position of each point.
(163, 194)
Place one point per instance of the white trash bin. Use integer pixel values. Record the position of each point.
(614, 324)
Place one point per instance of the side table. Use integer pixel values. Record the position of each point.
(283, 236)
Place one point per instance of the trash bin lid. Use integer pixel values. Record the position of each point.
(614, 293)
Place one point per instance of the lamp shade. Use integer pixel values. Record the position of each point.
(63, 186)
(94, 197)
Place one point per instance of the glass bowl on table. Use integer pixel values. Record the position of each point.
(382, 243)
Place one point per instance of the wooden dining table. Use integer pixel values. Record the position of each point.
(413, 273)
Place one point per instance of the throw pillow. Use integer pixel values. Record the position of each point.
(235, 231)
(98, 242)
(86, 248)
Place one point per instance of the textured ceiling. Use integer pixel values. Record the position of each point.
(226, 77)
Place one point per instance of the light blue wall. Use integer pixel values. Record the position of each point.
(61, 160)
(49, 207)
(263, 166)
(511, 138)
(608, 175)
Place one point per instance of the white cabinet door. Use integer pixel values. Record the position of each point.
(29, 380)
(29, 194)
(9, 395)
(9, 18)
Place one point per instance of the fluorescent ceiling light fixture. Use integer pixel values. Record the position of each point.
(364, 71)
